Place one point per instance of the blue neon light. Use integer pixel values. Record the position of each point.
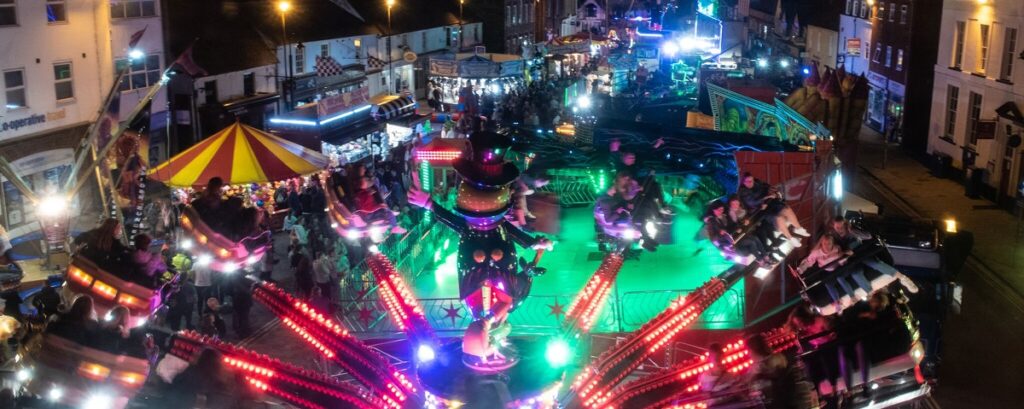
(304, 122)
(292, 121)
(344, 115)
(643, 34)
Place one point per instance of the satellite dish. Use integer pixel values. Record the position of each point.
(409, 56)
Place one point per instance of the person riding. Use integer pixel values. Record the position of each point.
(717, 382)
(758, 195)
(720, 231)
(741, 218)
(103, 246)
(78, 323)
(148, 265)
(847, 236)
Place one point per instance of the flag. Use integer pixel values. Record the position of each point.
(327, 66)
(109, 120)
(134, 40)
(186, 64)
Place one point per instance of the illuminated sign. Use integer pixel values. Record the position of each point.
(853, 47)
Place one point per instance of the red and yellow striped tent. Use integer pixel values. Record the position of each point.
(239, 154)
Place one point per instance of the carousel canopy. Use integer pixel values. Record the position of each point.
(239, 154)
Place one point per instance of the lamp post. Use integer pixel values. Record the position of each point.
(461, 23)
(391, 71)
(282, 8)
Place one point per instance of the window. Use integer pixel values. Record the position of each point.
(983, 54)
(877, 53)
(14, 85)
(423, 40)
(899, 60)
(973, 116)
(8, 13)
(867, 49)
(300, 58)
(249, 84)
(850, 6)
(358, 44)
(881, 10)
(62, 84)
(142, 72)
(210, 89)
(1009, 53)
(56, 11)
(903, 14)
(325, 50)
(888, 56)
(132, 8)
(958, 48)
(892, 12)
(864, 10)
(952, 104)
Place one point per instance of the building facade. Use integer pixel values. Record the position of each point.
(520, 24)
(59, 59)
(855, 36)
(978, 92)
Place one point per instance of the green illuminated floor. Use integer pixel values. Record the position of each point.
(644, 288)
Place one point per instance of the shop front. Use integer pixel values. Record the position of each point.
(469, 80)
(310, 89)
(878, 99)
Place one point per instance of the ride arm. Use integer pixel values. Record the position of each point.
(447, 217)
(520, 237)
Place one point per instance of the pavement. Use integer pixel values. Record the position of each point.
(998, 235)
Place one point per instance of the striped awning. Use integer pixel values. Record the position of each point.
(239, 154)
(394, 107)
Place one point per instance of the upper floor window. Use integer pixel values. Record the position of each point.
(983, 52)
(14, 85)
(325, 50)
(249, 84)
(132, 8)
(8, 13)
(851, 6)
(300, 57)
(865, 9)
(892, 12)
(881, 11)
(56, 11)
(877, 53)
(62, 85)
(958, 46)
(142, 72)
(903, 14)
(1009, 54)
(888, 56)
(899, 60)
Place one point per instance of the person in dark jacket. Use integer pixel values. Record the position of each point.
(758, 195)
(78, 324)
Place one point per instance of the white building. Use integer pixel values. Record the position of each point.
(58, 62)
(855, 36)
(979, 90)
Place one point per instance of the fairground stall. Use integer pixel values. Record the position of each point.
(468, 80)
(568, 55)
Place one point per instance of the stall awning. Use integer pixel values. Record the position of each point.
(395, 107)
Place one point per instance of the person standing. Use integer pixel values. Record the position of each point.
(323, 273)
(241, 299)
(181, 306)
(303, 271)
(204, 284)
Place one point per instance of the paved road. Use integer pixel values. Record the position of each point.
(984, 344)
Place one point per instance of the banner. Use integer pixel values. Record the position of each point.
(478, 69)
(512, 68)
(445, 68)
(853, 47)
(338, 103)
(738, 113)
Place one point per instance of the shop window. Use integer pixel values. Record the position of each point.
(983, 37)
(210, 91)
(142, 72)
(899, 60)
(14, 87)
(952, 106)
(8, 13)
(249, 84)
(1009, 54)
(62, 81)
(958, 47)
(973, 116)
(132, 8)
(903, 14)
(56, 11)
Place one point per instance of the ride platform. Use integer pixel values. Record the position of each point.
(645, 286)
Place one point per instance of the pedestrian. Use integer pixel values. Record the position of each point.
(213, 324)
(323, 273)
(241, 300)
(267, 264)
(303, 272)
(181, 306)
(203, 281)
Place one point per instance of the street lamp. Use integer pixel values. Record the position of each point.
(461, 22)
(391, 71)
(282, 8)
